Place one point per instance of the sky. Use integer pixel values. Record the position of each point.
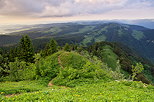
(45, 11)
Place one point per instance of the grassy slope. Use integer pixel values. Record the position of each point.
(137, 34)
(109, 57)
(20, 87)
(100, 92)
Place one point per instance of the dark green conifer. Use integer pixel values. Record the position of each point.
(25, 49)
(50, 48)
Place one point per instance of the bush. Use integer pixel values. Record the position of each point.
(48, 67)
(136, 70)
(20, 70)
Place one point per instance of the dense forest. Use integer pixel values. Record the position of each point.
(102, 65)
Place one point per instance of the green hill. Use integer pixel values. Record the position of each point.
(72, 69)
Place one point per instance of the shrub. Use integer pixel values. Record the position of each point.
(20, 70)
(136, 70)
(48, 67)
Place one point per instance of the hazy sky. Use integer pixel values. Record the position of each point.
(41, 11)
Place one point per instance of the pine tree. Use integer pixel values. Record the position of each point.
(25, 49)
(50, 48)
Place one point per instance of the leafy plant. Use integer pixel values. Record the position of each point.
(20, 70)
(138, 68)
(77, 70)
(123, 91)
(50, 48)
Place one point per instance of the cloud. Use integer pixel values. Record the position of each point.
(65, 8)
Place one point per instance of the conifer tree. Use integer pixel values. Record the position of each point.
(25, 49)
(50, 48)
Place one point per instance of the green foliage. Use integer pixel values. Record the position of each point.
(1, 58)
(37, 57)
(1, 69)
(85, 29)
(70, 69)
(138, 34)
(110, 53)
(67, 47)
(138, 68)
(25, 49)
(100, 38)
(20, 70)
(50, 48)
(53, 30)
(78, 70)
(48, 67)
(20, 87)
(87, 39)
(116, 91)
(105, 52)
(109, 57)
(117, 74)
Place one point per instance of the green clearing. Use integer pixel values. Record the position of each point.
(100, 38)
(103, 29)
(121, 32)
(114, 91)
(54, 30)
(85, 29)
(109, 57)
(137, 34)
(88, 39)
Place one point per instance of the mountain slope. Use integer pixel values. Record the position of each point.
(118, 56)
